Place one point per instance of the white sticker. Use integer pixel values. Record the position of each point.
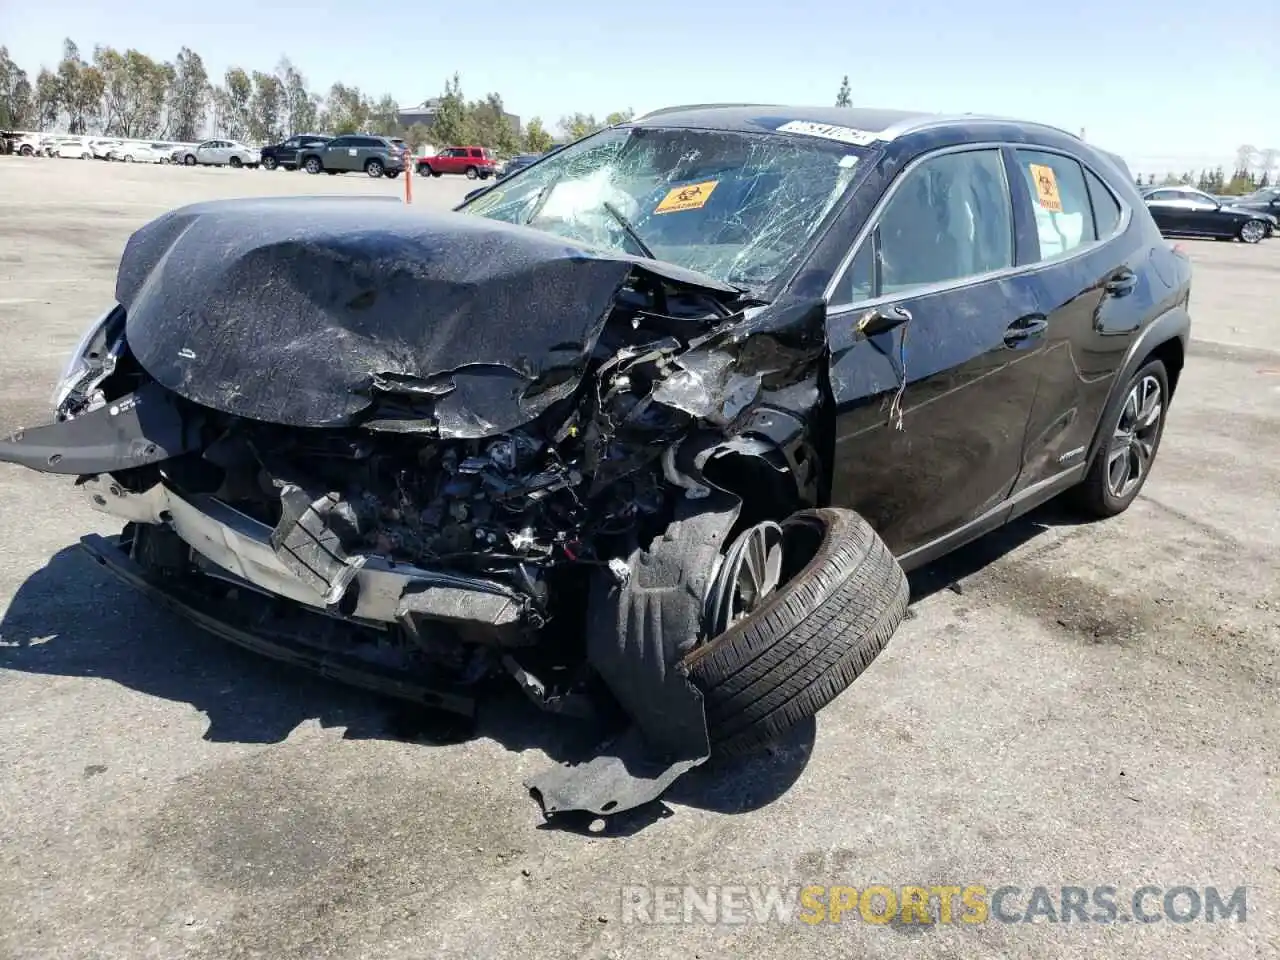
(351, 152)
(828, 131)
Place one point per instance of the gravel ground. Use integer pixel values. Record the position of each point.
(1086, 705)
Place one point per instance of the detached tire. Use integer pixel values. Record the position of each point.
(809, 639)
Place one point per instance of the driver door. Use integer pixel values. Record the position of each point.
(931, 415)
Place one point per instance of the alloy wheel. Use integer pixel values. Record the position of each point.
(750, 571)
(1133, 443)
(1253, 231)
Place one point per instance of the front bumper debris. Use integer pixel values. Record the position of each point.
(272, 634)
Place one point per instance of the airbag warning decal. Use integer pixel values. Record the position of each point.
(829, 131)
(690, 197)
(1046, 183)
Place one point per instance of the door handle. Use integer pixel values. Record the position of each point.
(1122, 283)
(1025, 328)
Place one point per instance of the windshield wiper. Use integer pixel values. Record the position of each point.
(630, 229)
(543, 196)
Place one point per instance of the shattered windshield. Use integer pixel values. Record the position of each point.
(738, 207)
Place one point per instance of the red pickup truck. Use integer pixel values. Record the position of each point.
(473, 162)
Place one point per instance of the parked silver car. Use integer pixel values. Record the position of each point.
(222, 153)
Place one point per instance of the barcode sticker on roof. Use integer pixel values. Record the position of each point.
(829, 131)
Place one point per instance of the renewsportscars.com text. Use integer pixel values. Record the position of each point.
(941, 903)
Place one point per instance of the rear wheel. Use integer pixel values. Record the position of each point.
(1130, 437)
(236, 163)
(472, 173)
(392, 174)
(312, 165)
(1253, 230)
(802, 608)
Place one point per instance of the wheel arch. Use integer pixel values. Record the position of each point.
(1164, 339)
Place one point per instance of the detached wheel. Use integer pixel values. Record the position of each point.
(805, 606)
(1130, 438)
(1253, 231)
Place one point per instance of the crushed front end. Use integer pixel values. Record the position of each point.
(406, 502)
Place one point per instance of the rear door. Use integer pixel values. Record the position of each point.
(931, 416)
(1166, 210)
(1092, 285)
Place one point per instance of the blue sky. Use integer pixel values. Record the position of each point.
(1169, 87)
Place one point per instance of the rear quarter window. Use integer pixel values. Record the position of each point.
(1106, 209)
(1059, 200)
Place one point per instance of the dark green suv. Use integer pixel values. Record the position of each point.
(376, 156)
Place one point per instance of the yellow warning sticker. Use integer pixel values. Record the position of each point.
(691, 197)
(1046, 187)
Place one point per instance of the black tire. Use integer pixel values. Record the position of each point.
(189, 160)
(236, 163)
(269, 163)
(809, 640)
(472, 173)
(374, 168)
(391, 174)
(436, 173)
(1094, 495)
(1253, 231)
(424, 170)
(312, 165)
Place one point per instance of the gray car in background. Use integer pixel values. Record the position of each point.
(376, 156)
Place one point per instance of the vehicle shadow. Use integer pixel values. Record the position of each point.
(949, 572)
(74, 619)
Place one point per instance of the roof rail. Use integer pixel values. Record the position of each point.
(696, 106)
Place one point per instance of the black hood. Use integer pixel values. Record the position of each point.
(314, 311)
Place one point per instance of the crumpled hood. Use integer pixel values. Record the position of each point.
(328, 311)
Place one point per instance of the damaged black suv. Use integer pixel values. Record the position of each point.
(653, 426)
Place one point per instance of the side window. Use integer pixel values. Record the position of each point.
(948, 219)
(1060, 200)
(340, 142)
(291, 143)
(1106, 209)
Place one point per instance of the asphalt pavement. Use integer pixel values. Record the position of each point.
(1068, 705)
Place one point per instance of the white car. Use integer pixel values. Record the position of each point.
(78, 147)
(102, 147)
(139, 152)
(222, 153)
(31, 145)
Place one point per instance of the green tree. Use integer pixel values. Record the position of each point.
(843, 94)
(452, 126)
(490, 126)
(536, 138)
(346, 110)
(17, 109)
(579, 125)
(133, 92)
(239, 91)
(619, 116)
(48, 99)
(82, 89)
(418, 137)
(187, 100)
(265, 107)
(301, 107)
(384, 117)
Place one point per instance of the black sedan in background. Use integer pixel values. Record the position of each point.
(1186, 211)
